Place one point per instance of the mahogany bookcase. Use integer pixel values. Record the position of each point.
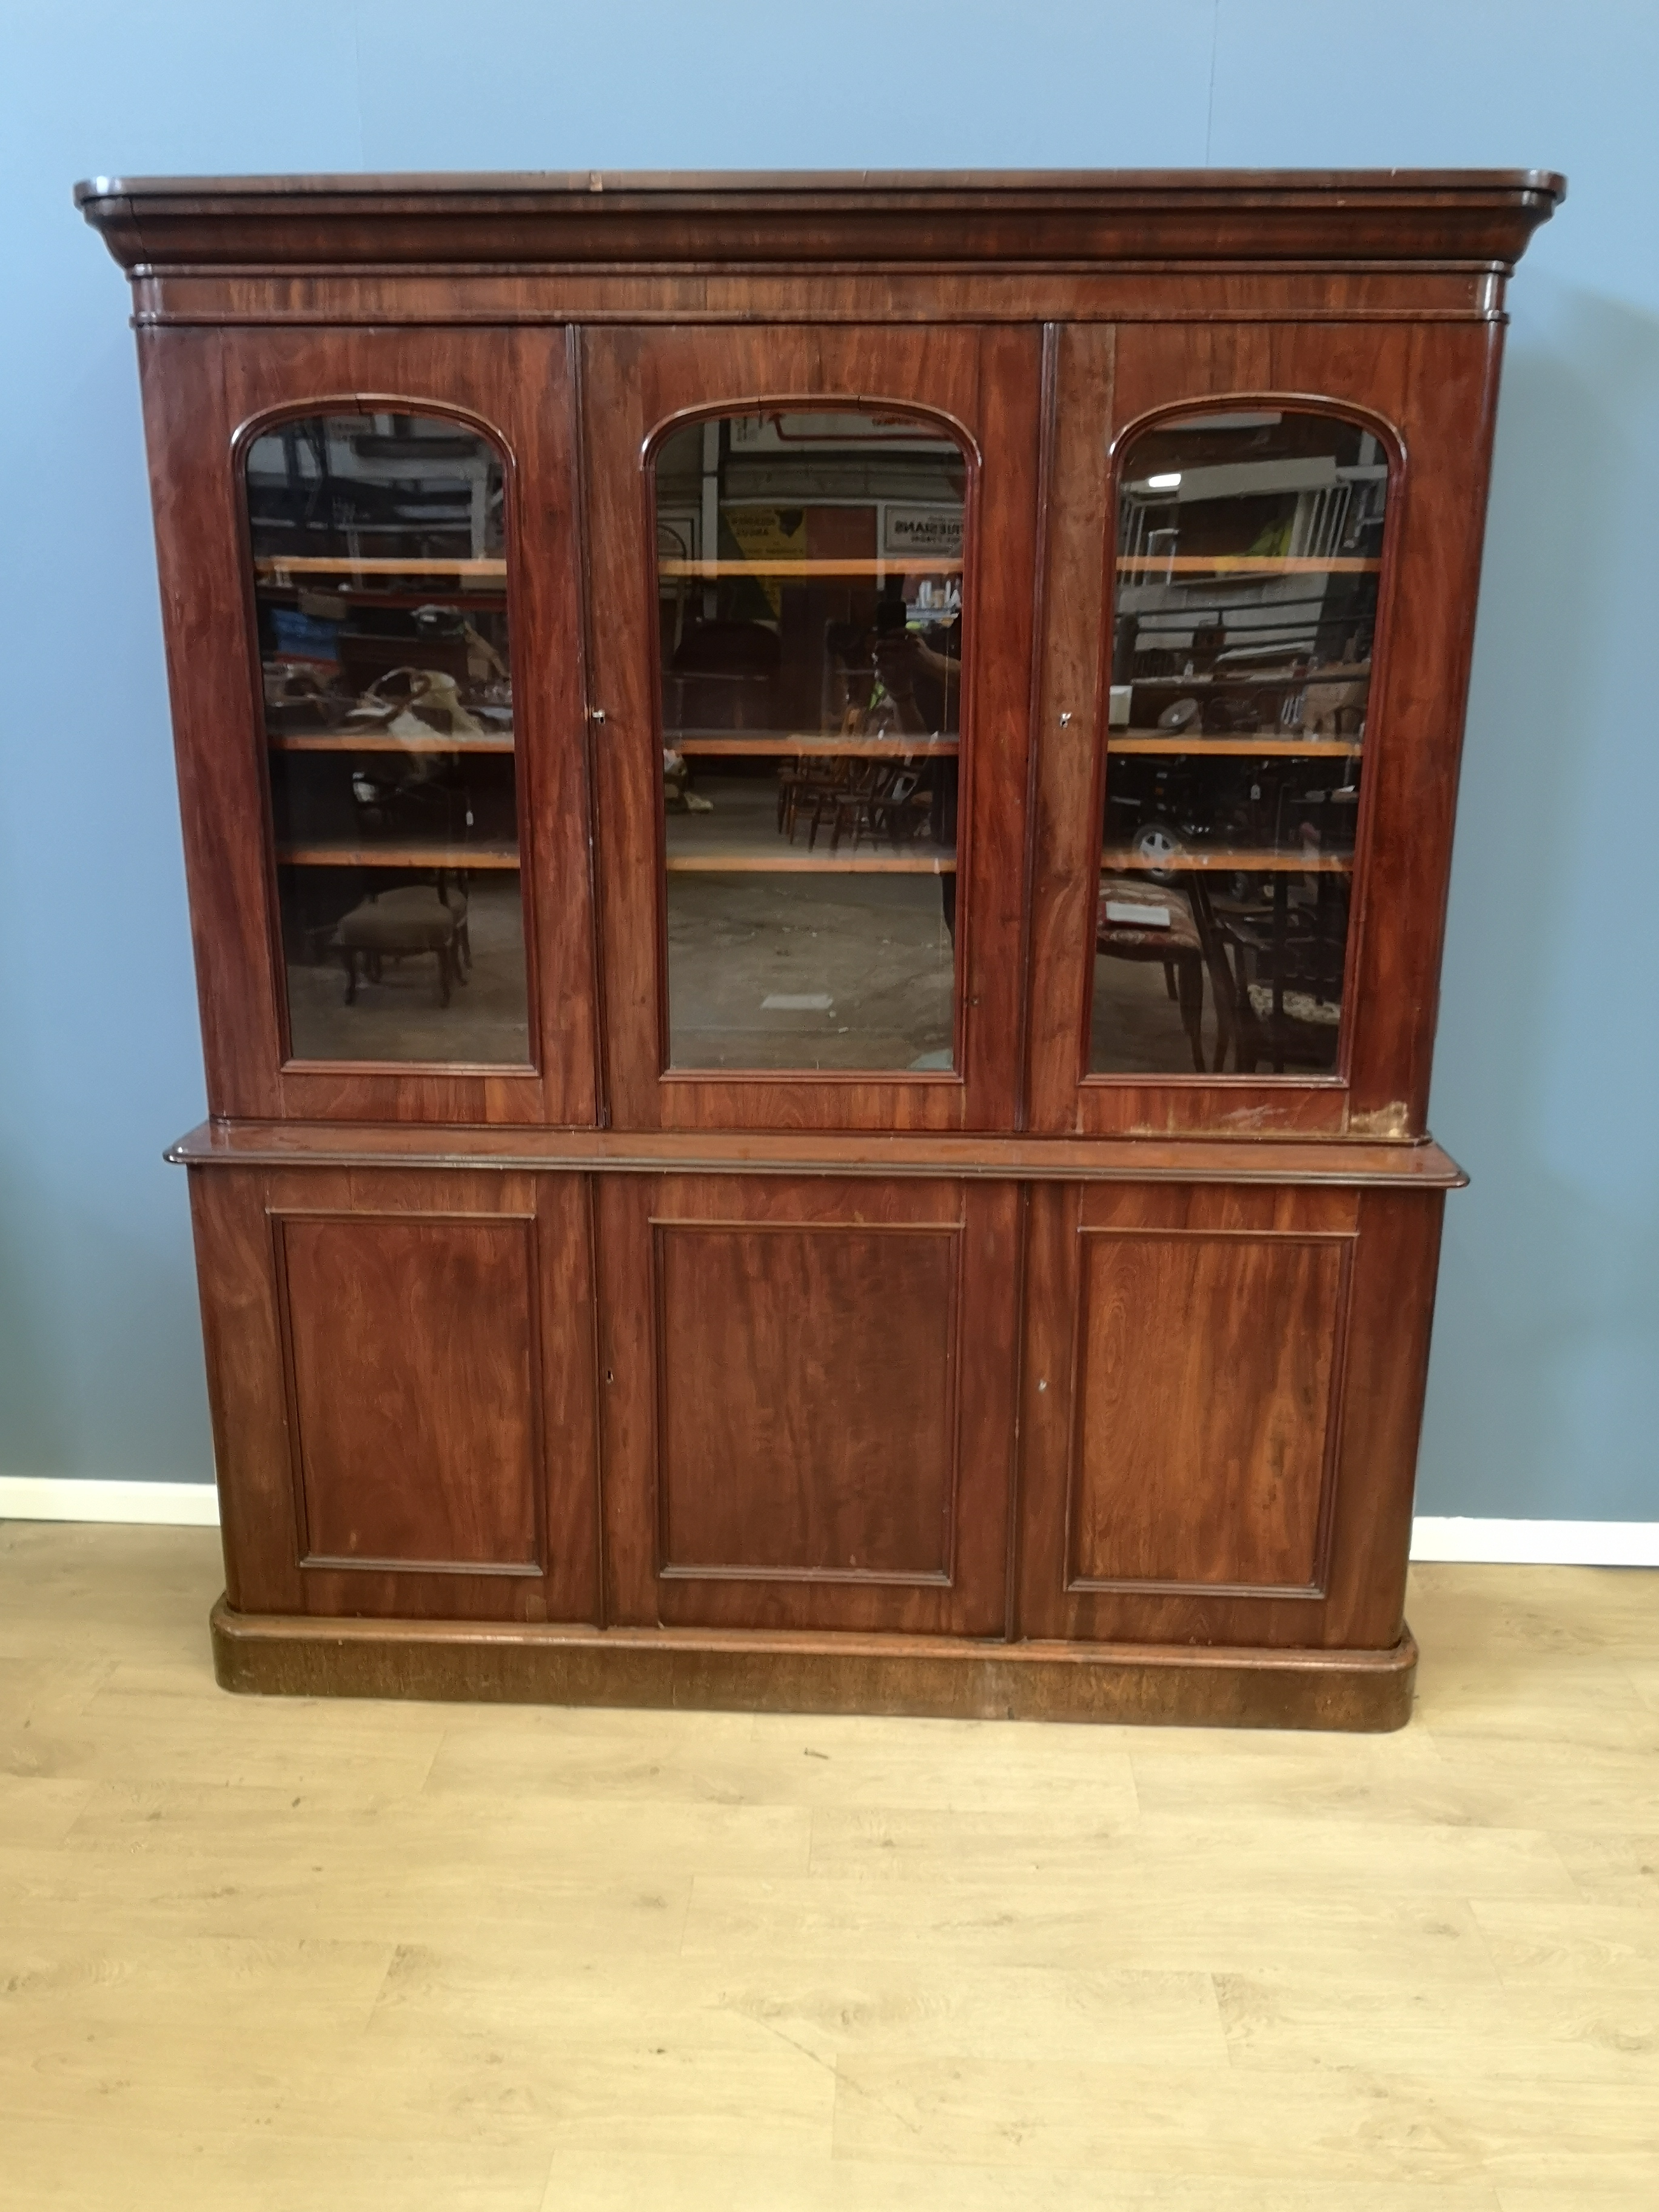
(817, 813)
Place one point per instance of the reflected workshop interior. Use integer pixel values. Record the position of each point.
(1250, 546)
(379, 562)
(811, 571)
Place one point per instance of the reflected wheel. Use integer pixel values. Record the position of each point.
(1158, 849)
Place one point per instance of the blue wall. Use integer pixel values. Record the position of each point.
(1544, 1392)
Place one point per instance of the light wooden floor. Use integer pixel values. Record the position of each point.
(260, 1954)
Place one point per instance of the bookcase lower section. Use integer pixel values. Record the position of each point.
(908, 1435)
(944, 1678)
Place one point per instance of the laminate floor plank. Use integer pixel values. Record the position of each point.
(1301, 2124)
(1621, 1868)
(1576, 2198)
(302, 1956)
(361, 1830)
(946, 1766)
(1283, 2021)
(631, 2182)
(35, 1809)
(71, 2166)
(1329, 1858)
(867, 2006)
(1600, 1947)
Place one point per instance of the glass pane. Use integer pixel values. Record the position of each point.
(1249, 547)
(381, 578)
(810, 570)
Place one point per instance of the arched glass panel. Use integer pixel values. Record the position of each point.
(810, 592)
(1250, 544)
(380, 580)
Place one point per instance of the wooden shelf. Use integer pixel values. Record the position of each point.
(770, 746)
(382, 741)
(901, 564)
(276, 566)
(1244, 861)
(1246, 564)
(1196, 744)
(795, 861)
(473, 600)
(347, 855)
(1253, 679)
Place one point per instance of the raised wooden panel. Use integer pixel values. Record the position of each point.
(1220, 1395)
(807, 1389)
(807, 1399)
(1207, 1367)
(414, 1409)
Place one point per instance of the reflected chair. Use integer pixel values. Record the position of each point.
(403, 924)
(1169, 936)
(1283, 959)
(901, 812)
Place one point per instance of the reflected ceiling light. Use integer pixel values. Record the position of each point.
(1163, 484)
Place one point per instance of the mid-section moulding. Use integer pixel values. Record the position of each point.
(1343, 1162)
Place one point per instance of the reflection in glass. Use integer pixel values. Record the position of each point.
(810, 571)
(380, 581)
(1250, 544)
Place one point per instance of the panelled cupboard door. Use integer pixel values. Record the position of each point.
(402, 1373)
(1262, 555)
(366, 542)
(807, 1397)
(811, 579)
(1244, 1476)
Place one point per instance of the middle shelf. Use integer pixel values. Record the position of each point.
(759, 744)
(409, 852)
(1195, 745)
(1236, 859)
(383, 741)
(737, 859)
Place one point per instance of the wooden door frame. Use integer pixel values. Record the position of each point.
(1429, 393)
(637, 385)
(208, 394)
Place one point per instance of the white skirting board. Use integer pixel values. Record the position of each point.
(69, 1497)
(1478, 1541)
(1536, 1543)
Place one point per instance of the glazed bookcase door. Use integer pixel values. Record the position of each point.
(375, 655)
(810, 598)
(1263, 554)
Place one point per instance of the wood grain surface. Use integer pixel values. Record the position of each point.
(807, 1392)
(401, 1371)
(836, 1455)
(785, 217)
(1202, 1451)
(277, 1954)
(413, 1408)
(1241, 1160)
